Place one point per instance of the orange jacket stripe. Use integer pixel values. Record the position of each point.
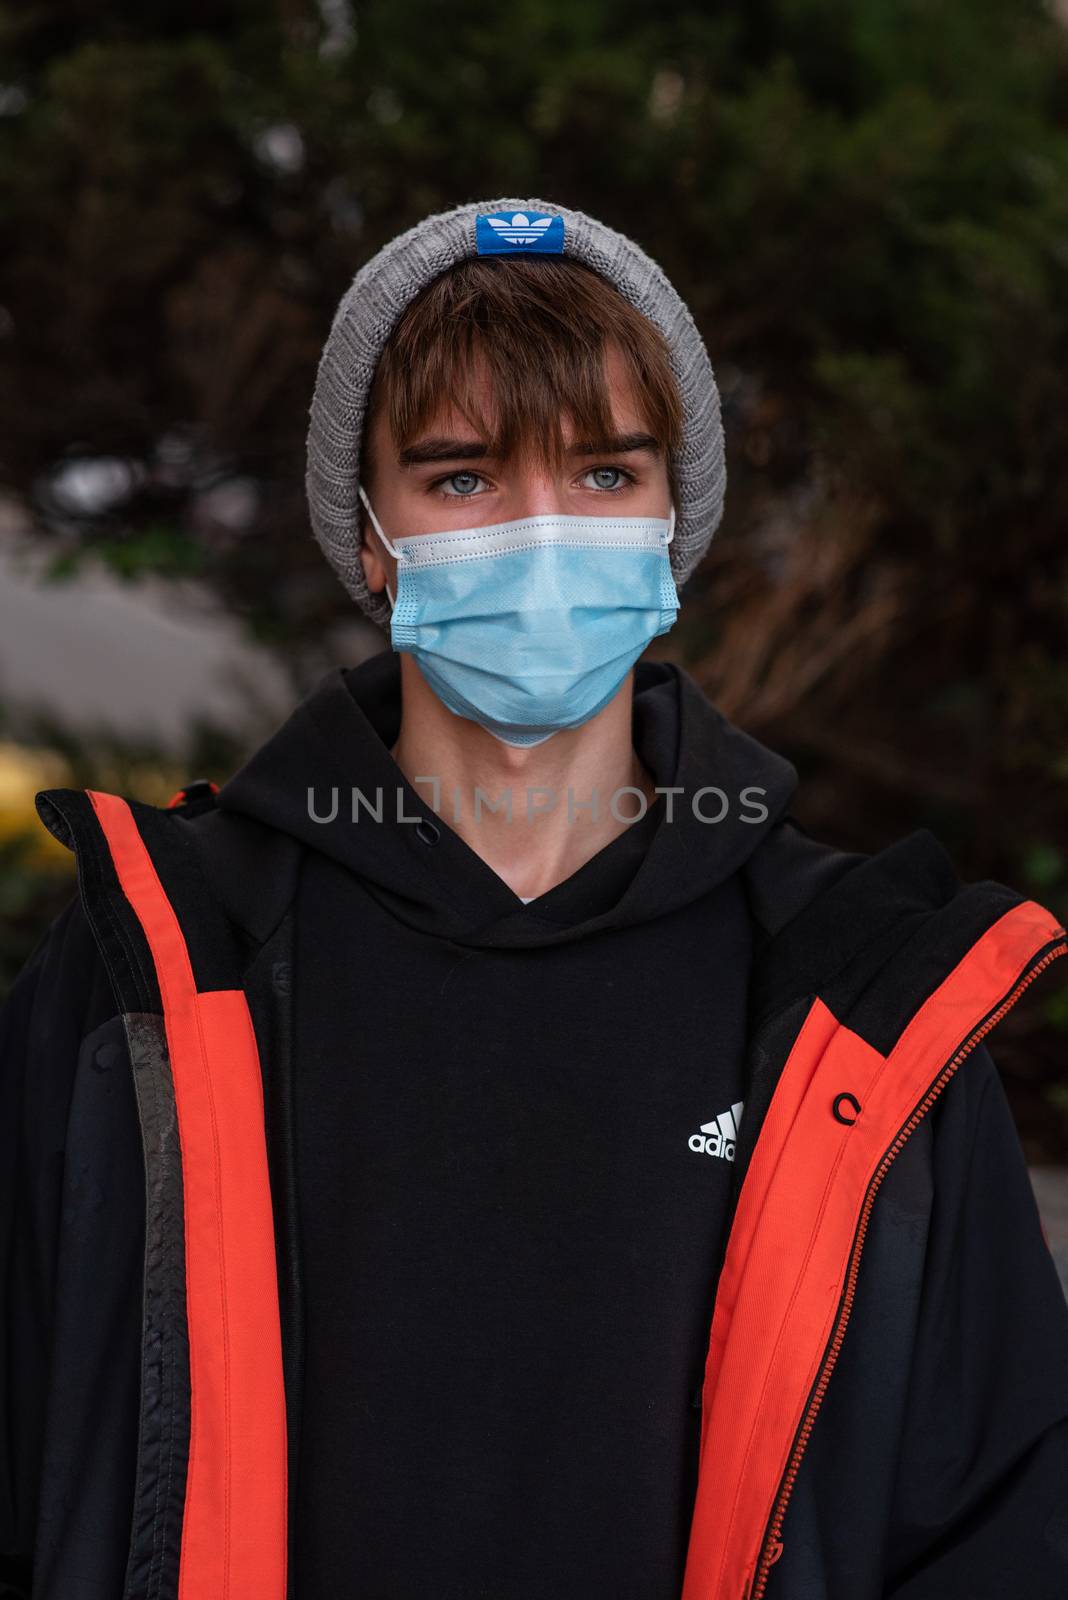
(789, 1249)
(234, 1527)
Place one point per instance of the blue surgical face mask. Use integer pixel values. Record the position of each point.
(531, 626)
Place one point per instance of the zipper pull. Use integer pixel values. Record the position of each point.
(751, 1586)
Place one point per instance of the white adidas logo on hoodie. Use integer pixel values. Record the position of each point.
(718, 1137)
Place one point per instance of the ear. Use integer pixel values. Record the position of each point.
(373, 570)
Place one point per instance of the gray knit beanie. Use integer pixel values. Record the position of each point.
(388, 283)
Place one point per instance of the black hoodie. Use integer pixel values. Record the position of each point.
(467, 1362)
(511, 1217)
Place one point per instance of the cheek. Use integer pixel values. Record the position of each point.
(666, 493)
(653, 497)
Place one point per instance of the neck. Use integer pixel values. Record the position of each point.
(536, 814)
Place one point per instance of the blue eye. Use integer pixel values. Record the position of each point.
(608, 478)
(462, 483)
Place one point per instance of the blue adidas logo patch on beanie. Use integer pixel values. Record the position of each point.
(518, 234)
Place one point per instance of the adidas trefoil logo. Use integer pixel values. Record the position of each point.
(718, 1137)
(521, 229)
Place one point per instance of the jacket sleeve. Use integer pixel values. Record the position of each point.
(60, 995)
(980, 1508)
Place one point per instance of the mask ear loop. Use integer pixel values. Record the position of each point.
(671, 525)
(395, 553)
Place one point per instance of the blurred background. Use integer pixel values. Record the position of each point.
(865, 203)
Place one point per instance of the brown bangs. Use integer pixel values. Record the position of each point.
(539, 330)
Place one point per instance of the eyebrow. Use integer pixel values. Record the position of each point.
(445, 450)
(619, 444)
(425, 451)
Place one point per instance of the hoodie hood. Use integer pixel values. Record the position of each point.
(338, 740)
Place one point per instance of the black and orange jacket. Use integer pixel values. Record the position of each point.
(865, 1149)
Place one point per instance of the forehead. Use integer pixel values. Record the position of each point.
(622, 399)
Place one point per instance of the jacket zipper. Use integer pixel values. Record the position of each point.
(771, 1545)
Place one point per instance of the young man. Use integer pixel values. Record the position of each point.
(487, 1148)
